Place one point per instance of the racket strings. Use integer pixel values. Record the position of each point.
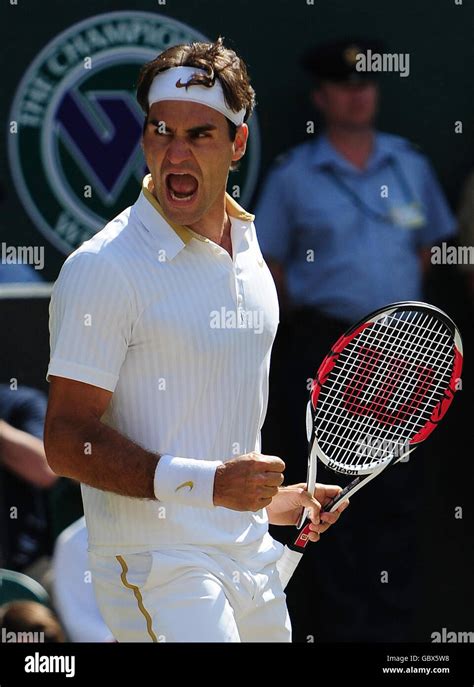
(366, 426)
(426, 368)
(434, 354)
(351, 358)
(440, 351)
(440, 360)
(364, 401)
(369, 434)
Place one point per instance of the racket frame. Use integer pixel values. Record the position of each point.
(314, 452)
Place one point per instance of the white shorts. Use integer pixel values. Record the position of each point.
(189, 596)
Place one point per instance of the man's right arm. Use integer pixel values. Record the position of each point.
(80, 446)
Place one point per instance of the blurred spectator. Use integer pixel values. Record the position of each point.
(346, 222)
(24, 474)
(38, 621)
(14, 273)
(466, 229)
(73, 592)
(23, 454)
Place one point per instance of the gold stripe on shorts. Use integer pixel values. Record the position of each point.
(138, 596)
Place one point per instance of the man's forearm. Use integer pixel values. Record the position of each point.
(98, 455)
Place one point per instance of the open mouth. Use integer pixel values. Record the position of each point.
(181, 187)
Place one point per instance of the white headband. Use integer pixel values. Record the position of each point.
(164, 87)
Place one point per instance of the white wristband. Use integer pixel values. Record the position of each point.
(185, 480)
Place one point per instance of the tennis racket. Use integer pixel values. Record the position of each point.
(380, 392)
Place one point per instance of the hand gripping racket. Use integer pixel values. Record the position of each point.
(380, 391)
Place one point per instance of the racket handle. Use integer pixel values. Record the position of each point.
(301, 540)
(332, 505)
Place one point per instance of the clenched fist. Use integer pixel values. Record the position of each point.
(248, 482)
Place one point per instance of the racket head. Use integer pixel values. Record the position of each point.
(384, 386)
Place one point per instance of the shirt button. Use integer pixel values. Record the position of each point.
(240, 299)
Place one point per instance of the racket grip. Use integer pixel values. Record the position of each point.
(301, 540)
(332, 505)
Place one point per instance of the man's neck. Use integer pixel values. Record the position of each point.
(216, 226)
(355, 145)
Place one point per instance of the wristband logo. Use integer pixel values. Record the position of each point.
(189, 484)
(76, 160)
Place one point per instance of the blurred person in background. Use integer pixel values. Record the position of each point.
(73, 592)
(25, 476)
(346, 222)
(30, 622)
(18, 273)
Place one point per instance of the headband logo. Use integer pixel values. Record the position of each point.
(189, 82)
(184, 85)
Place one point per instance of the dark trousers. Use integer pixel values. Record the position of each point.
(358, 583)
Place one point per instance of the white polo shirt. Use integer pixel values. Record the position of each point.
(181, 333)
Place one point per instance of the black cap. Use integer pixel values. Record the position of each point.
(336, 61)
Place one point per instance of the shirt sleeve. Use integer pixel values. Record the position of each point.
(440, 221)
(90, 321)
(273, 218)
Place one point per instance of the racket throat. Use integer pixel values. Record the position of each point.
(352, 488)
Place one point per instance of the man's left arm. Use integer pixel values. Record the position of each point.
(286, 507)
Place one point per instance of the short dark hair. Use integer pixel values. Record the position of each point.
(218, 61)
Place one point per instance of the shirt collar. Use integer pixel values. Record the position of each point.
(174, 237)
(325, 155)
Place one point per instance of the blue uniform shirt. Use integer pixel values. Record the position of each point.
(18, 272)
(349, 239)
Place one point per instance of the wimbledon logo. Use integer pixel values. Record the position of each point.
(76, 159)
